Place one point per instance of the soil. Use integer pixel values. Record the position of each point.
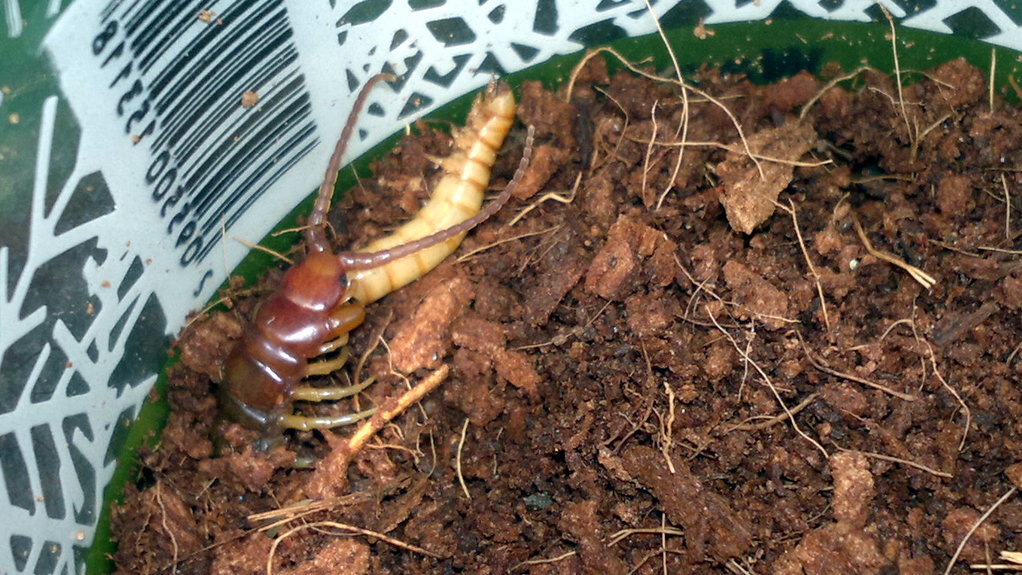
(721, 378)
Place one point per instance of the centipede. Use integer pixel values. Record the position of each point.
(301, 330)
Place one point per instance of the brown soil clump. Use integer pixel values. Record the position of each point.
(641, 380)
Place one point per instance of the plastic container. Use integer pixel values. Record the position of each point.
(138, 138)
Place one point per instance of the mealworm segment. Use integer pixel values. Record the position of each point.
(323, 297)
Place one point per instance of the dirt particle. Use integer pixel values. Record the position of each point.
(249, 99)
(711, 525)
(747, 193)
(419, 340)
(756, 295)
(853, 487)
(834, 548)
(579, 521)
(954, 195)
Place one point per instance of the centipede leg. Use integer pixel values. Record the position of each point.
(332, 393)
(333, 345)
(309, 422)
(328, 366)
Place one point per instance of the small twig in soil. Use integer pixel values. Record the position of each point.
(560, 557)
(979, 522)
(562, 338)
(412, 453)
(285, 232)
(990, 81)
(774, 420)
(547, 196)
(952, 248)
(947, 386)
(593, 163)
(1013, 558)
(1007, 208)
(952, 391)
(924, 279)
(376, 338)
(668, 440)
(1011, 356)
(745, 365)
(163, 522)
(716, 102)
(693, 300)
(332, 469)
(729, 148)
(664, 437)
(472, 253)
(702, 286)
(1000, 250)
(390, 364)
(851, 377)
(663, 531)
(805, 253)
(1014, 86)
(663, 552)
(649, 149)
(891, 327)
(683, 127)
(920, 136)
(663, 542)
(320, 525)
(773, 389)
(457, 459)
(387, 413)
(648, 398)
(726, 304)
(589, 55)
(226, 300)
(623, 534)
(819, 94)
(735, 567)
(907, 462)
(274, 518)
(897, 71)
(202, 313)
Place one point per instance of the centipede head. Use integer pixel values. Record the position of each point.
(317, 283)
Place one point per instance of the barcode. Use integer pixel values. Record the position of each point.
(181, 70)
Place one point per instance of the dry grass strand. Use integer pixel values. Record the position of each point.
(982, 518)
(770, 385)
(907, 462)
(457, 459)
(321, 525)
(924, 279)
(850, 377)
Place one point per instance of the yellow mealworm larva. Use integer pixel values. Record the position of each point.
(457, 197)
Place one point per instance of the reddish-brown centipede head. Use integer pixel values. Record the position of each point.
(317, 283)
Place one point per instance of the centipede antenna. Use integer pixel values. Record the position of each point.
(315, 234)
(365, 260)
